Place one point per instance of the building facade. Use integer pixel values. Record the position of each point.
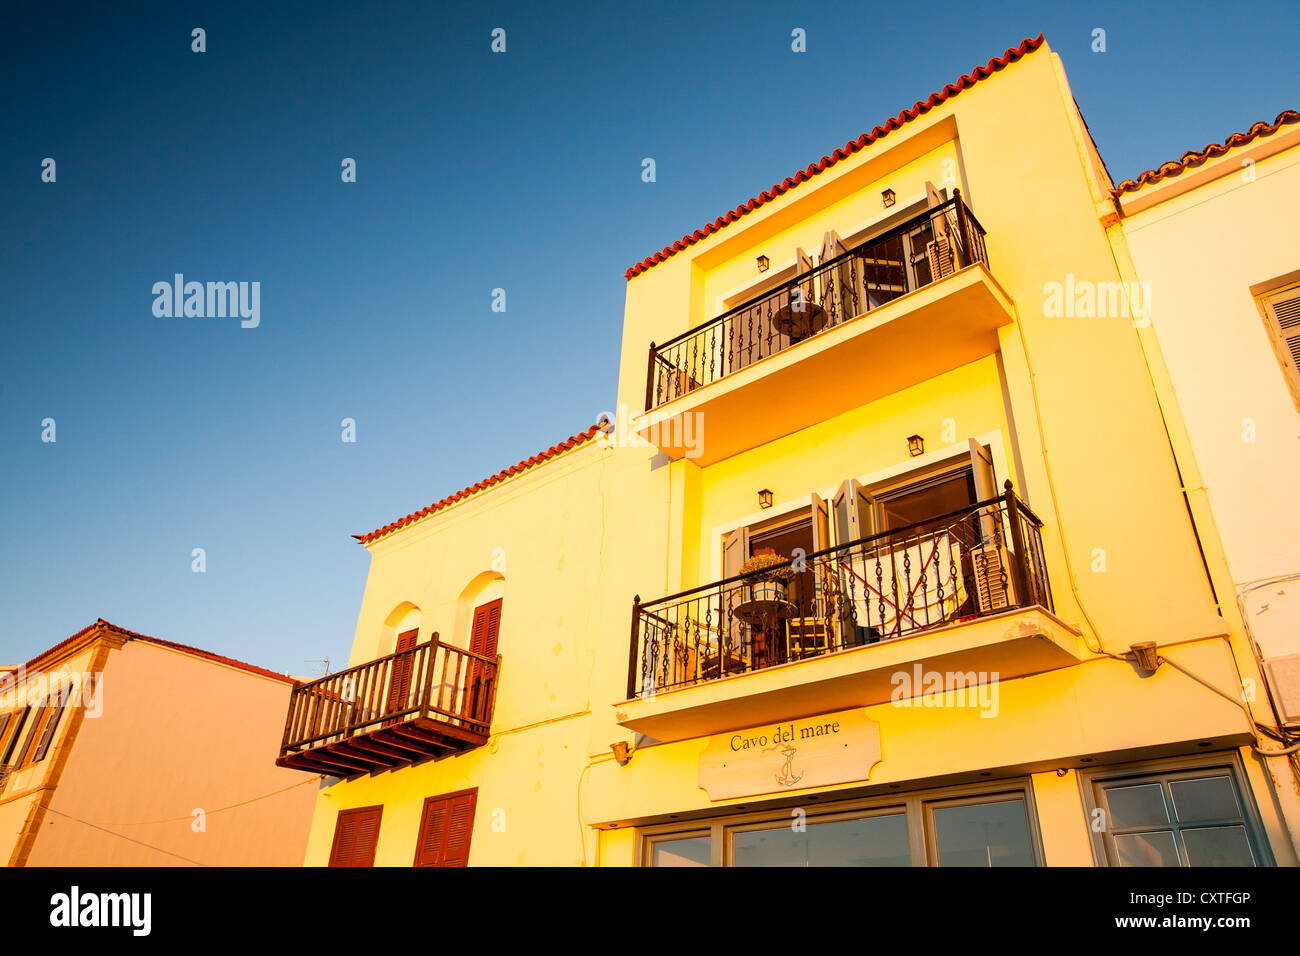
(119, 749)
(882, 557)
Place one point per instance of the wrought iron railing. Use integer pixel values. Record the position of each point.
(439, 681)
(909, 256)
(982, 560)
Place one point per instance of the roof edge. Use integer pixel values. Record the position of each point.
(1193, 158)
(919, 108)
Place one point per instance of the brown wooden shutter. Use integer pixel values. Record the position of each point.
(28, 744)
(399, 685)
(483, 640)
(51, 722)
(487, 625)
(4, 725)
(9, 749)
(1283, 310)
(445, 829)
(355, 837)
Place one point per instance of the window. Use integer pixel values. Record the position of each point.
(681, 850)
(1282, 315)
(355, 837)
(861, 840)
(1198, 816)
(990, 832)
(51, 724)
(445, 829)
(989, 825)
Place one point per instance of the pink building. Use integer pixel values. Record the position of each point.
(119, 749)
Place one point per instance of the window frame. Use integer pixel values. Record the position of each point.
(1092, 780)
(915, 805)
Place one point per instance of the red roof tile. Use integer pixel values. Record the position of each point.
(102, 624)
(852, 146)
(1212, 151)
(572, 442)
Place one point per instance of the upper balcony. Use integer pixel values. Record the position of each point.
(430, 700)
(963, 595)
(901, 307)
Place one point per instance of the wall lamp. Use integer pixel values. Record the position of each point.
(621, 753)
(763, 263)
(1145, 655)
(915, 445)
(888, 197)
(765, 498)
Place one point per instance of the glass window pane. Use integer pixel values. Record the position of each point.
(688, 851)
(984, 834)
(868, 841)
(1218, 846)
(1139, 805)
(1156, 848)
(1205, 798)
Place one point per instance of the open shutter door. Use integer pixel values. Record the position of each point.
(854, 512)
(845, 296)
(735, 551)
(1283, 309)
(487, 625)
(355, 837)
(51, 723)
(399, 685)
(483, 640)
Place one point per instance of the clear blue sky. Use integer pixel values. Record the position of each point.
(475, 171)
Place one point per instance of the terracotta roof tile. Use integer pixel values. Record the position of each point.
(848, 149)
(102, 624)
(1197, 156)
(572, 442)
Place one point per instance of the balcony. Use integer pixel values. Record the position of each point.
(430, 700)
(964, 593)
(902, 307)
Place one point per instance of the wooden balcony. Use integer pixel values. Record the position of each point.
(428, 701)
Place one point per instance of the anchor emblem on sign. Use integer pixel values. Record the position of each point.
(786, 777)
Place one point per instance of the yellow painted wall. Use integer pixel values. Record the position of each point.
(1072, 408)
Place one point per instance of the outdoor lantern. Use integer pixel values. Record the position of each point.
(1146, 655)
(888, 197)
(765, 498)
(915, 445)
(763, 263)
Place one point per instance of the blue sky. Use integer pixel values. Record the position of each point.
(475, 171)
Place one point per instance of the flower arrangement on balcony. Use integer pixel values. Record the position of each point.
(770, 572)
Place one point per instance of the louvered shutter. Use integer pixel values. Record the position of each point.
(51, 723)
(1283, 310)
(22, 756)
(460, 827)
(356, 834)
(10, 753)
(4, 725)
(445, 829)
(483, 640)
(399, 685)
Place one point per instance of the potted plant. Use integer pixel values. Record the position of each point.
(770, 574)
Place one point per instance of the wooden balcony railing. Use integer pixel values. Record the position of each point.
(429, 700)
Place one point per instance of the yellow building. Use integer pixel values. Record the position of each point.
(882, 557)
(121, 749)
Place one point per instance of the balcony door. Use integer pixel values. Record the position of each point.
(399, 684)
